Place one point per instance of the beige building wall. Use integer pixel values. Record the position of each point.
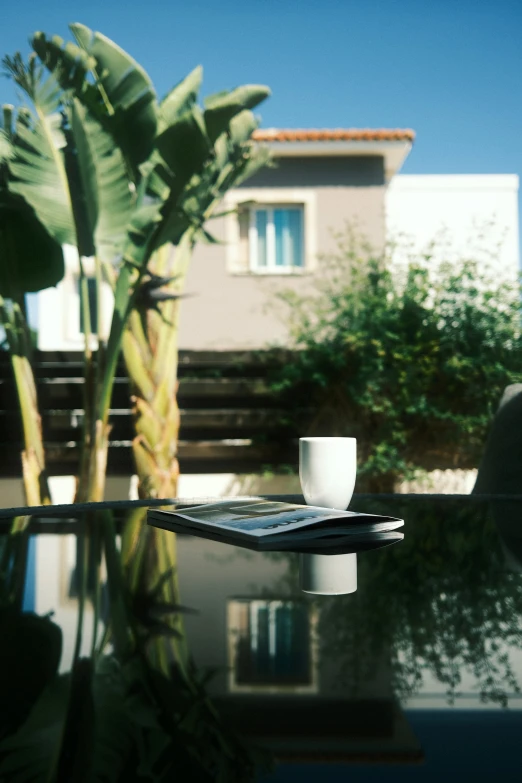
(229, 307)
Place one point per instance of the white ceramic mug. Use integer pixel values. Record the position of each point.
(328, 574)
(327, 470)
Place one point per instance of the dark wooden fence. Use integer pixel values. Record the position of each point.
(227, 415)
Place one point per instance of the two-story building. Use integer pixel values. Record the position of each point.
(283, 220)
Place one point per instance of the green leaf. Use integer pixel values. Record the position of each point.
(6, 149)
(185, 149)
(7, 111)
(104, 182)
(144, 220)
(37, 166)
(242, 126)
(256, 159)
(128, 92)
(221, 107)
(69, 64)
(87, 181)
(180, 99)
(122, 96)
(30, 259)
(184, 146)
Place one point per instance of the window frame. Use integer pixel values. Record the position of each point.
(241, 200)
(271, 267)
(236, 631)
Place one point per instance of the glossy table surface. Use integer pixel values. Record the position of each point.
(214, 665)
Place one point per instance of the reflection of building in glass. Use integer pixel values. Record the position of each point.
(271, 646)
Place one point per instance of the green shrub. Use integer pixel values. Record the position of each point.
(410, 357)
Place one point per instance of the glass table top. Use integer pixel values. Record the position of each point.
(133, 654)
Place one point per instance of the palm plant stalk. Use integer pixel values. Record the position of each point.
(34, 473)
(149, 562)
(150, 352)
(150, 341)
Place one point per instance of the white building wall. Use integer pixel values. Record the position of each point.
(472, 213)
(58, 309)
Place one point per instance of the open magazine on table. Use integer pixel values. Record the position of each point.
(265, 524)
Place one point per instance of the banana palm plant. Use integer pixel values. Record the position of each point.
(108, 168)
(66, 168)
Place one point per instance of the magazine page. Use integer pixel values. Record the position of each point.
(322, 533)
(359, 540)
(260, 517)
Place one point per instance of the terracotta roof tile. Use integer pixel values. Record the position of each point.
(338, 134)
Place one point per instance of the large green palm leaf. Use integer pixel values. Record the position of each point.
(67, 168)
(30, 259)
(180, 139)
(221, 107)
(6, 148)
(122, 96)
(37, 167)
(106, 190)
(180, 99)
(200, 154)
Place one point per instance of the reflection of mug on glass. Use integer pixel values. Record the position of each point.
(328, 574)
(327, 470)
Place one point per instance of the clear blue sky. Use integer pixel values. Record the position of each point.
(449, 69)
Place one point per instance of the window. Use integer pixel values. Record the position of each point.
(271, 646)
(297, 247)
(276, 238)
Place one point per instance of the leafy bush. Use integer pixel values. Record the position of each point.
(410, 357)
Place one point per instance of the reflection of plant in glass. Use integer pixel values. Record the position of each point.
(114, 721)
(440, 603)
(116, 716)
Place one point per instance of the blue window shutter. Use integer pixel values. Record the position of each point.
(288, 224)
(279, 228)
(295, 232)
